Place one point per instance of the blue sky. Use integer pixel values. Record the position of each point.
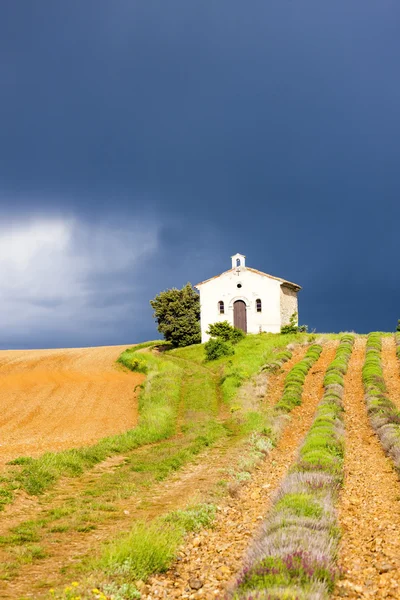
(143, 143)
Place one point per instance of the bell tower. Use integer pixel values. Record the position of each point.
(238, 261)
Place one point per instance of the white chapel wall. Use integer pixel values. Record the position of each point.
(254, 286)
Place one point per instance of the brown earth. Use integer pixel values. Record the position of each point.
(56, 399)
(191, 483)
(391, 369)
(212, 558)
(369, 507)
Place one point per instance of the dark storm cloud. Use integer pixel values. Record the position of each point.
(269, 128)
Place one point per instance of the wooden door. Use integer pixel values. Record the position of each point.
(239, 315)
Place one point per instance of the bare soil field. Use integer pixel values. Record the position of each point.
(57, 399)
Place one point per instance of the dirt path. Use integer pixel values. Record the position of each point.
(369, 508)
(213, 557)
(391, 369)
(56, 399)
(188, 484)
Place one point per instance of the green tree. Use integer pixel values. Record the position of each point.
(177, 313)
(398, 325)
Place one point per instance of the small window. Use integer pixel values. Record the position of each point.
(238, 262)
(239, 285)
(258, 305)
(221, 307)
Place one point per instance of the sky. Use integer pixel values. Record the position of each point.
(144, 143)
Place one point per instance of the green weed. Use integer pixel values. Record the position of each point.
(151, 546)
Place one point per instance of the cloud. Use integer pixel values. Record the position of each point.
(62, 276)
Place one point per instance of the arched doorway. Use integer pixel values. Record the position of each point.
(239, 315)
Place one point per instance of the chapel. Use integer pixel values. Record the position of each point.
(247, 298)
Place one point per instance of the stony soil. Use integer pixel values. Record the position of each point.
(369, 505)
(369, 509)
(210, 560)
(190, 484)
(391, 369)
(56, 399)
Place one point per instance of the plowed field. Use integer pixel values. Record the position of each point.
(56, 399)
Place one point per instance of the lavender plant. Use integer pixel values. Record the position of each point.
(383, 414)
(295, 551)
(291, 397)
(294, 380)
(278, 361)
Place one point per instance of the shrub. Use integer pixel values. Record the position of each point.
(398, 326)
(225, 332)
(133, 362)
(293, 326)
(217, 348)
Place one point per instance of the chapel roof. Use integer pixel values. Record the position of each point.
(290, 284)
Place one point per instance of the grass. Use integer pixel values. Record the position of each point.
(294, 555)
(149, 548)
(95, 503)
(180, 410)
(158, 406)
(251, 354)
(134, 361)
(171, 456)
(152, 546)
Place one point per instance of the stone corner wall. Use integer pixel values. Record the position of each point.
(289, 303)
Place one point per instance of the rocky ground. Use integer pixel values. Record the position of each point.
(209, 561)
(369, 509)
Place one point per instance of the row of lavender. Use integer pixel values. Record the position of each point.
(397, 337)
(294, 555)
(383, 414)
(293, 388)
(279, 359)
